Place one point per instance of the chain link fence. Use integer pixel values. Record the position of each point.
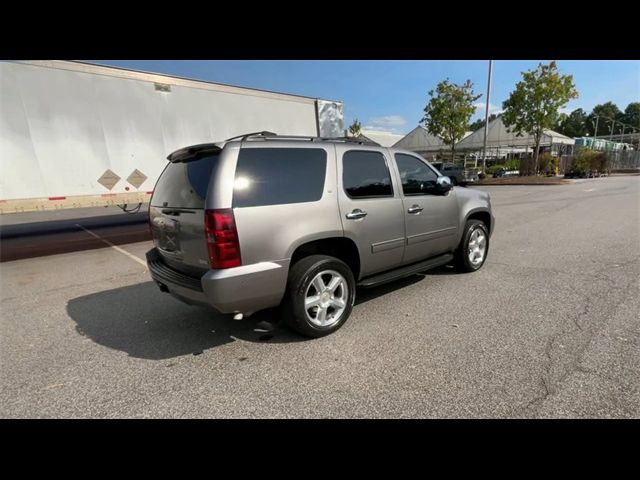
(621, 160)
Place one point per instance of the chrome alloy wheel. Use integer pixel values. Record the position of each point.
(477, 247)
(326, 298)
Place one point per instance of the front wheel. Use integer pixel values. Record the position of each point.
(474, 246)
(320, 295)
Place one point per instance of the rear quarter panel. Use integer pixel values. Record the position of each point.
(273, 232)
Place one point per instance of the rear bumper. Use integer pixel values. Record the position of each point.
(244, 289)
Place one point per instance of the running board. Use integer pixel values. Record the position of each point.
(406, 271)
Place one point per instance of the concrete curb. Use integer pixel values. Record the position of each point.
(567, 182)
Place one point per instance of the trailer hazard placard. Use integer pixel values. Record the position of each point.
(108, 179)
(136, 178)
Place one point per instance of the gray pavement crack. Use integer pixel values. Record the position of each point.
(586, 330)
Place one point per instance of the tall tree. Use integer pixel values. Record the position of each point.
(355, 129)
(574, 124)
(631, 115)
(534, 104)
(480, 122)
(606, 112)
(449, 111)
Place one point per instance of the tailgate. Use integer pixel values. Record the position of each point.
(176, 214)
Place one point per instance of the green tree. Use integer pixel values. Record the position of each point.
(605, 113)
(631, 115)
(449, 111)
(480, 122)
(534, 104)
(574, 124)
(356, 128)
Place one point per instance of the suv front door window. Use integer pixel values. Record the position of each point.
(430, 217)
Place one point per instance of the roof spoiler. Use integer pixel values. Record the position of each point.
(193, 152)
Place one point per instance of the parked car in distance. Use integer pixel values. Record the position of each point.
(264, 220)
(504, 172)
(458, 174)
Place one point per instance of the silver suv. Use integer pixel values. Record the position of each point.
(263, 220)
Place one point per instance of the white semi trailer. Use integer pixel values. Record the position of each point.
(75, 134)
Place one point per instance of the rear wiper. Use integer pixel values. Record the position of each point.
(176, 211)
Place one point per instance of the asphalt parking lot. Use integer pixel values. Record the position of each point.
(549, 327)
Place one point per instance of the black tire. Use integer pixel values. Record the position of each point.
(461, 259)
(454, 182)
(301, 274)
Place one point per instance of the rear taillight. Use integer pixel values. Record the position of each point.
(222, 238)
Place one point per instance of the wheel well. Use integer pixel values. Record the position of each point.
(484, 217)
(340, 247)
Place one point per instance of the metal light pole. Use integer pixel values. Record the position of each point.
(613, 124)
(486, 120)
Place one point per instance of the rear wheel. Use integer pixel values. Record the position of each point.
(320, 295)
(474, 246)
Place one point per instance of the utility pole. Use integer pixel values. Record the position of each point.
(595, 133)
(613, 124)
(486, 120)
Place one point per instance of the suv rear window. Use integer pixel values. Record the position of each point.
(274, 176)
(184, 184)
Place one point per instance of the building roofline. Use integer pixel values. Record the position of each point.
(141, 75)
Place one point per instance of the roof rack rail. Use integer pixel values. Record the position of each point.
(244, 136)
(265, 135)
(359, 141)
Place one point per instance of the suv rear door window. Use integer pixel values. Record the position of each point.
(184, 184)
(365, 174)
(274, 176)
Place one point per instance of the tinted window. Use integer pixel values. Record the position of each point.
(417, 177)
(184, 184)
(365, 174)
(272, 176)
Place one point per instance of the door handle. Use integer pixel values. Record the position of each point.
(415, 209)
(355, 214)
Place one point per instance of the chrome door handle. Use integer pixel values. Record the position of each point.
(415, 209)
(355, 214)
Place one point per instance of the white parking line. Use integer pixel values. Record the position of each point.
(591, 190)
(115, 247)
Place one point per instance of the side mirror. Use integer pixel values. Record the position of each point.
(443, 184)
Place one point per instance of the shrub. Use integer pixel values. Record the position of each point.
(586, 161)
(599, 162)
(547, 164)
(493, 169)
(513, 164)
(527, 166)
